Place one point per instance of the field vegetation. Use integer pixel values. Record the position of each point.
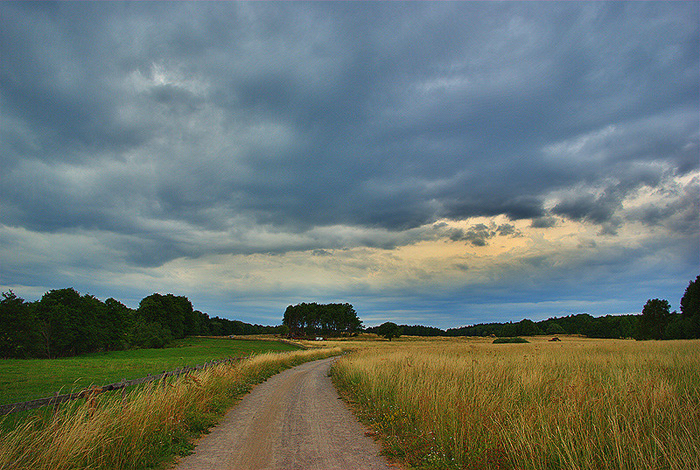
(574, 404)
(510, 340)
(147, 427)
(26, 379)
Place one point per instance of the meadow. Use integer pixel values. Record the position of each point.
(146, 428)
(574, 404)
(439, 403)
(27, 379)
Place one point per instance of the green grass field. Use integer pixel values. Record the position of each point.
(27, 379)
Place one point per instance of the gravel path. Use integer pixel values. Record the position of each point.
(295, 420)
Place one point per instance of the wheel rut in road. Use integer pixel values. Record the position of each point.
(294, 420)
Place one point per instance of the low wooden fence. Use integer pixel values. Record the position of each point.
(91, 392)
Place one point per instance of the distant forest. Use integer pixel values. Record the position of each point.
(655, 322)
(65, 323)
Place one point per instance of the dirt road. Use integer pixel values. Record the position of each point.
(295, 420)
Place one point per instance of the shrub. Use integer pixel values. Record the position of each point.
(515, 339)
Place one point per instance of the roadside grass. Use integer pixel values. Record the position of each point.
(27, 379)
(574, 404)
(147, 428)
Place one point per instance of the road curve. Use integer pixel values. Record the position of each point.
(294, 420)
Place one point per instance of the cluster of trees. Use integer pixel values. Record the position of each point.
(65, 323)
(306, 320)
(658, 322)
(392, 330)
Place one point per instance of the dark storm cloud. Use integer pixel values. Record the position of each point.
(399, 114)
(55, 79)
(480, 234)
(170, 130)
(680, 215)
(598, 209)
(544, 222)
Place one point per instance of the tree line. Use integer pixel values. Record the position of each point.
(609, 326)
(312, 319)
(65, 323)
(656, 321)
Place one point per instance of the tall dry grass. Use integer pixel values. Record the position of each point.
(579, 404)
(146, 428)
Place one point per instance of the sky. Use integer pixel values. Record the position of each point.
(434, 163)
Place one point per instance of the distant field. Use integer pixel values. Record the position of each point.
(575, 404)
(26, 379)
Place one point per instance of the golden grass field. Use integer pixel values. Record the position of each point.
(576, 404)
(458, 403)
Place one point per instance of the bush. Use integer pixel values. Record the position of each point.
(515, 339)
(152, 335)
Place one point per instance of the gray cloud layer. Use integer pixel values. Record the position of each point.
(182, 129)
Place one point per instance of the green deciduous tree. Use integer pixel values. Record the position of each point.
(690, 309)
(555, 329)
(151, 335)
(389, 330)
(527, 328)
(63, 327)
(19, 337)
(173, 313)
(654, 320)
(119, 325)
